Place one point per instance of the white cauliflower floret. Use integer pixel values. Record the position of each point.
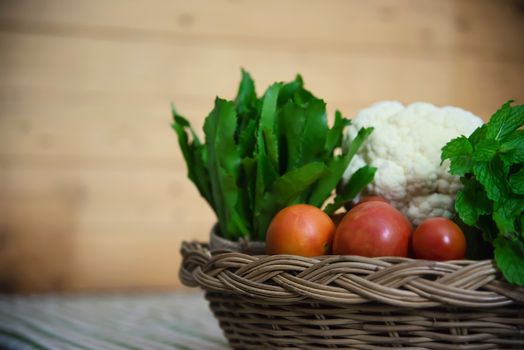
(405, 147)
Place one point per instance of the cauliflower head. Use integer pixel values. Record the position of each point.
(405, 148)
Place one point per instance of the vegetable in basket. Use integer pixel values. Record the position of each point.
(262, 154)
(490, 163)
(439, 239)
(405, 148)
(373, 228)
(300, 229)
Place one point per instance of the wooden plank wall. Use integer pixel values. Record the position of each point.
(93, 191)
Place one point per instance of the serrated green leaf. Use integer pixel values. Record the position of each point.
(471, 202)
(315, 132)
(491, 176)
(509, 256)
(285, 190)
(478, 135)
(485, 150)
(506, 212)
(291, 124)
(336, 167)
(460, 153)
(512, 149)
(266, 174)
(247, 106)
(360, 179)
(288, 90)
(516, 182)
(247, 139)
(267, 169)
(336, 133)
(246, 187)
(246, 95)
(266, 127)
(505, 121)
(302, 97)
(224, 166)
(199, 165)
(194, 156)
(515, 140)
(505, 224)
(239, 167)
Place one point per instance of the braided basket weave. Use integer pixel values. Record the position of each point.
(350, 302)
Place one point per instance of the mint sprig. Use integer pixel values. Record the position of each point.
(490, 163)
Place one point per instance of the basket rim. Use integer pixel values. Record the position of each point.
(347, 279)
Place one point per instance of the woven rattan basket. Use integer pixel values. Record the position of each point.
(350, 302)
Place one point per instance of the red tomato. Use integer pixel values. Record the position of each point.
(300, 229)
(371, 199)
(373, 229)
(438, 239)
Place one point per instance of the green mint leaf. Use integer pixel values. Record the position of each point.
(516, 182)
(509, 256)
(491, 176)
(497, 120)
(506, 213)
(498, 124)
(485, 150)
(503, 219)
(478, 135)
(471, 202)
(512, 149)
(515, 140)
(505, 121)
(459, 151)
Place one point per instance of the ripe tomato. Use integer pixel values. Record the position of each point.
(438, 239)
(373, 229)
(371, 199)
(300, 229)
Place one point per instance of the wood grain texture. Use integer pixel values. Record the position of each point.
(93, 192)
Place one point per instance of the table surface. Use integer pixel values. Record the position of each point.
(109, 322)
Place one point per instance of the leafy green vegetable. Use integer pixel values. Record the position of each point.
(358, 180)
(491, 165)
(509, 255)
(262, 154)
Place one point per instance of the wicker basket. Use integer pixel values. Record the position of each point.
(350, 302)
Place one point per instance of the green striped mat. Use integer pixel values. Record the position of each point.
(109, 322)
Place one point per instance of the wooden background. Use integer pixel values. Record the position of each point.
(93, 191)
